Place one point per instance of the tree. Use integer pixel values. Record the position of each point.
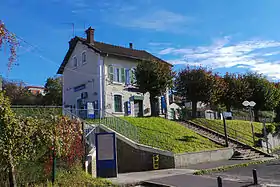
(264, 93)
(19, 95)
(8, 38)
(15, 91)
(196, 84)
(53, 88)
(277, 108)
(20, 138)
(154, 77)
(236, 91)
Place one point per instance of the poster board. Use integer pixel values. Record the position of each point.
(106, 161)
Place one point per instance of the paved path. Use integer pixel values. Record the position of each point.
(137, 177)
(267, 172)
(197, 181)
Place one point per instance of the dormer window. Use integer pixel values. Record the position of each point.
(75, 62)
(84, 57)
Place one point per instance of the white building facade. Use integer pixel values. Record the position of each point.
(100, 76)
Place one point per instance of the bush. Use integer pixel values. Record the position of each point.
(77, 177)
(270, 129)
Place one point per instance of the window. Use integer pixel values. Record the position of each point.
(117, 74)
(84, 57)
(118, 103)
(75, 62)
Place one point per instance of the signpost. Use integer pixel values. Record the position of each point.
(106, 164)
(250, 104)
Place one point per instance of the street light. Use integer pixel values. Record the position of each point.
(250, 104)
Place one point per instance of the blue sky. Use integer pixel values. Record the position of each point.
(224, 35)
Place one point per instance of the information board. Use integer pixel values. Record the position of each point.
(106, 164)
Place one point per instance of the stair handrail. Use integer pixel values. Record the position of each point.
(120, 125)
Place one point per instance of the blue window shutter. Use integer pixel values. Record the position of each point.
(115, 74)
(127, 77)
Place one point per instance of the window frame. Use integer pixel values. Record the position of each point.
(120, 103)
(117, 74)
(84, 54)
(73, 63)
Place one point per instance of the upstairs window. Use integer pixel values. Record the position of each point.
(117, 74)
(75, 62)
(118, 103)
(84, 57)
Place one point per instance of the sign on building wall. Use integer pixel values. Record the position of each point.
(128, 108)
(106, 163)
(90, 110)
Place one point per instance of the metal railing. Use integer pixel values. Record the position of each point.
(121, 126)
(232, 133)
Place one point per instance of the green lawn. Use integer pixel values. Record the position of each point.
(236, 128)
(169, 135)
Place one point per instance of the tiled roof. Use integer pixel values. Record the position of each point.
(109, 49)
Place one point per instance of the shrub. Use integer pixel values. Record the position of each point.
(77, 177)
(270, 129)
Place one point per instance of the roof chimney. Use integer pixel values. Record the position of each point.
(130, 45)
(90, 35)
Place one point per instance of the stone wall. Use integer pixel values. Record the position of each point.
(185, 159)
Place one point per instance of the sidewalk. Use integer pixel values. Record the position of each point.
(129, 179)
(182, 177)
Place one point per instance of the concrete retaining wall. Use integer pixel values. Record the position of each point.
(185, 159)
(134, 157)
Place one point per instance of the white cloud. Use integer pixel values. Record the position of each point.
(159, 43)
(225, 54)
(160, 20)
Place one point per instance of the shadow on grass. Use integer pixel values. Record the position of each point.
(187, 138)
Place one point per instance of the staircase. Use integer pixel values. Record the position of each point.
(241, 150)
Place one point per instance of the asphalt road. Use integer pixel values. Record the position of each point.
(197, 181)
(267, 172)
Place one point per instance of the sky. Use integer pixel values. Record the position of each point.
(224, 35)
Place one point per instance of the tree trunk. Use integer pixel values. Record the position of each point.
(256, 115)
(153, 102)
(12, 174)
(228, 108)
(194, 109)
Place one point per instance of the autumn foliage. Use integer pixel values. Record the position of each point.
(68, 147)
(9, 39)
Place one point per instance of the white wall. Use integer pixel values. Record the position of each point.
(83, 74)
(117, 88)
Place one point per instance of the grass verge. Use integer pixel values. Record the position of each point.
(169, 135)
(225, 168)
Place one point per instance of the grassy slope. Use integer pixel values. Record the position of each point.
(169, 135)
(243, 127)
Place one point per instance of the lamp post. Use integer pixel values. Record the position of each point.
(250, 104)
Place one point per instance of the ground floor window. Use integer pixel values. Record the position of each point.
(118, 103)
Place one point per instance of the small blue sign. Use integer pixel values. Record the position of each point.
(128, 108)
(163, 104)
(78, 88)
